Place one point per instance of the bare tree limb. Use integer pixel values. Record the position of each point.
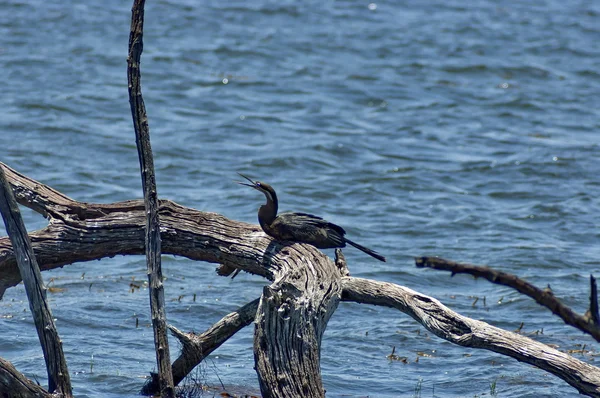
(301, 300)
(153, 247)
(441, 321)
(466, 332)
(84, 231)
(56, 365)
(544, 297)
(196, 347)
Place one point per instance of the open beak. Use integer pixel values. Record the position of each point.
(252, 183)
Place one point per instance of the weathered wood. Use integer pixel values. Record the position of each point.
(83, 231)
(438, 319)
(153, 243)
(58, 374)
(466, 332)
(95, 231)
(290, 322)
(340, 262)
(196, 347)
(544, 297)
(13, 382)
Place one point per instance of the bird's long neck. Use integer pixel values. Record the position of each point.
(268, 212)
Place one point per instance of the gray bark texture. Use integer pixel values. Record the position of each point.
(58, 375)
(153, 242)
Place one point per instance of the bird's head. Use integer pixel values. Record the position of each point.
(260, 186)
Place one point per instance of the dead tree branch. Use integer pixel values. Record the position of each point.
(305, 292)
(544, 297)
(592, 313)
(153, 248)
(466, 332)
(340, 262)
(56, 365)
(438, 319)
(196, 347)
(83, 231)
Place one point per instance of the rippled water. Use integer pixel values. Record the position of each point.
(424, 128)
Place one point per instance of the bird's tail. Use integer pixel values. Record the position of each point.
(366, 250)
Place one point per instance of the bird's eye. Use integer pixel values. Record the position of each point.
(258, 184)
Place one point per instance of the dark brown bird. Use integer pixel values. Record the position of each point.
(300, 227)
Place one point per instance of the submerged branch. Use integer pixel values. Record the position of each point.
(466, 332)
(544, 297)
(196, 347)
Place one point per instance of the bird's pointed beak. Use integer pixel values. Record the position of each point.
(252, 183)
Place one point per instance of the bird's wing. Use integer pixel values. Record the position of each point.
(303, 227)
(316, 221)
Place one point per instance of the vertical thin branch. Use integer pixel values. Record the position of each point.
(594, 317)
(153, 249)
(58, 374)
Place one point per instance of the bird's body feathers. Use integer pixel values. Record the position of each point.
(306, 228)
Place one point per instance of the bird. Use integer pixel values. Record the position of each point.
(300, 227)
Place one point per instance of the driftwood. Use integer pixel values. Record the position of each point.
(153, 247)
(587, 323)
(81, 232)
(58, 374)
(293, 311)
(466, 332)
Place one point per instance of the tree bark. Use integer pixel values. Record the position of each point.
(290, 322)
(153, 247)
(83, 231)
(56, 365)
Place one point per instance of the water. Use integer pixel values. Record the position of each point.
(424, 128)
